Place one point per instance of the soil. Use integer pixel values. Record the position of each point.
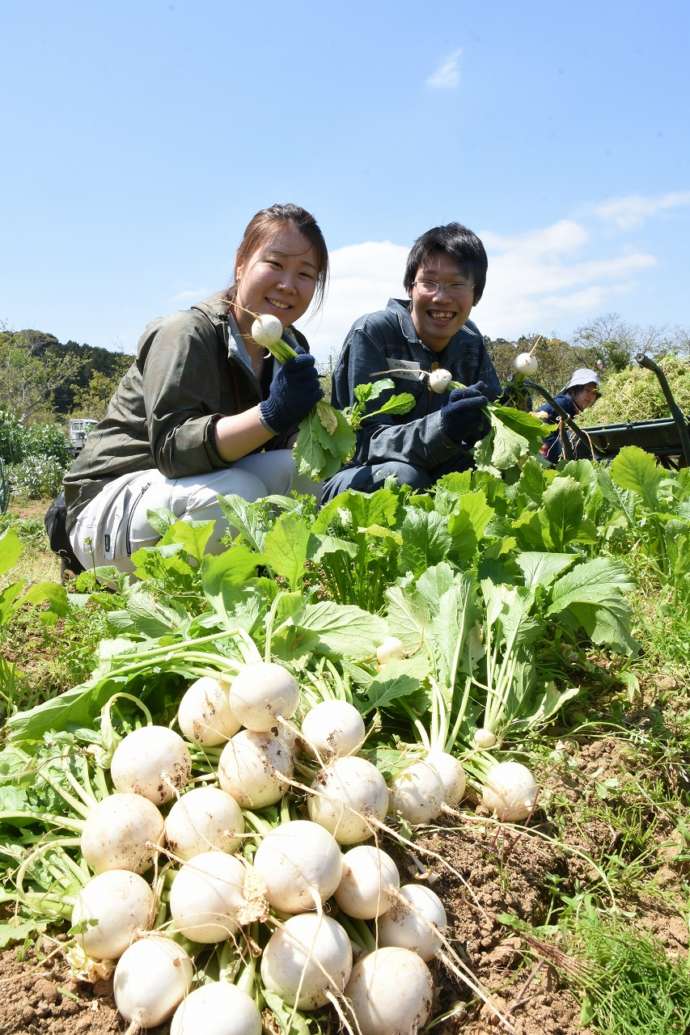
(27, 509)
(483, 874)
(497, 874)
(40, 997)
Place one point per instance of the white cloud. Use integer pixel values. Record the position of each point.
(363, 278)
(447, 75)
(632, 210)
(560, 238)
(190, 295)
(541, 280)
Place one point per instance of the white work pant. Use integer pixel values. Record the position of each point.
(115, 524)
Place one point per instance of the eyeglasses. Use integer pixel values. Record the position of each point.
(433, 287)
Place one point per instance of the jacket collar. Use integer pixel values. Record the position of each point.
(215, 307)
(401, 308)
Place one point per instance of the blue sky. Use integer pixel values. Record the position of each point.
(139, 138)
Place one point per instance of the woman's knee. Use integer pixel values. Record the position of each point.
(201, 504)
(275, 468)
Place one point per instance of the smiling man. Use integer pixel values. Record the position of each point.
(444, 277)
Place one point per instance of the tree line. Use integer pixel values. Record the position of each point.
(43, 379)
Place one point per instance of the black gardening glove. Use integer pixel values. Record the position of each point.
(295, 390)
(463, 417)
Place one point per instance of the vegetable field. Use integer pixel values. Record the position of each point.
(410, 762)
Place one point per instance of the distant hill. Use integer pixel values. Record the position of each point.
(86, 359)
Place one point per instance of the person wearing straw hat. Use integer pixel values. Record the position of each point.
(581, 391)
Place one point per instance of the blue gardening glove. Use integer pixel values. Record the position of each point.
(463, 418)
(295, 390)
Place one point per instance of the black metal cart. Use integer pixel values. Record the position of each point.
(668, 438)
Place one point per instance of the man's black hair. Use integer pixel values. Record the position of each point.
(460, 244)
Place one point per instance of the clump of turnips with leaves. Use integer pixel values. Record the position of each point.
(264, 723)
(326, 437)
(513, 435)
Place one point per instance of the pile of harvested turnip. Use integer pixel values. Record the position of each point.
(211, 897)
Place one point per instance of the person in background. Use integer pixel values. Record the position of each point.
(581, 391)
(444, 277)
(203, 411)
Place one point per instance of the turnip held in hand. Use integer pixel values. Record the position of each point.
(525, 363)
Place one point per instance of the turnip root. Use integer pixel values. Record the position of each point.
(218, 1008)
(266, 330)
(525, 363)
(261, 693)
(389, 648)
(121, 903)
(207, 895)
(251, 766)
(204, 715)
(484, 739)
(451, 774)
(300, 864)
(152, 977)
(390, 991)
(306, 959)
(410, 922)
(118, 832)
(333, 729)
(417, 793)
(439, 380)
(350, 793)
(204, 819)
(152, 761)
(368, 874)
(510, 791)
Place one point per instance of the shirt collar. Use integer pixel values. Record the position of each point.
(237, 350)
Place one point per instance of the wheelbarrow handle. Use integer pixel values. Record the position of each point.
(643, 360)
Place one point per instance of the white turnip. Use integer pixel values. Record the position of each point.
(510, 791)
(525, 363)
(439, 380)
(301, 865)
(333, 729)
(368, 876)
(204, 715)
(152, 977)
(350, 794)
(390, 991)
(119, 832)
(389, 648)
(207, 896)
(266, 330)
(261, 693)
(484, 739)
(417, 793)
(204, 819)
(412, 920)
(308, 957)
(251, 766)
(122, 905)
(152, 761)
(217, 1008)
(451, 773)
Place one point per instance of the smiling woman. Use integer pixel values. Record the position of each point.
(204, 411)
